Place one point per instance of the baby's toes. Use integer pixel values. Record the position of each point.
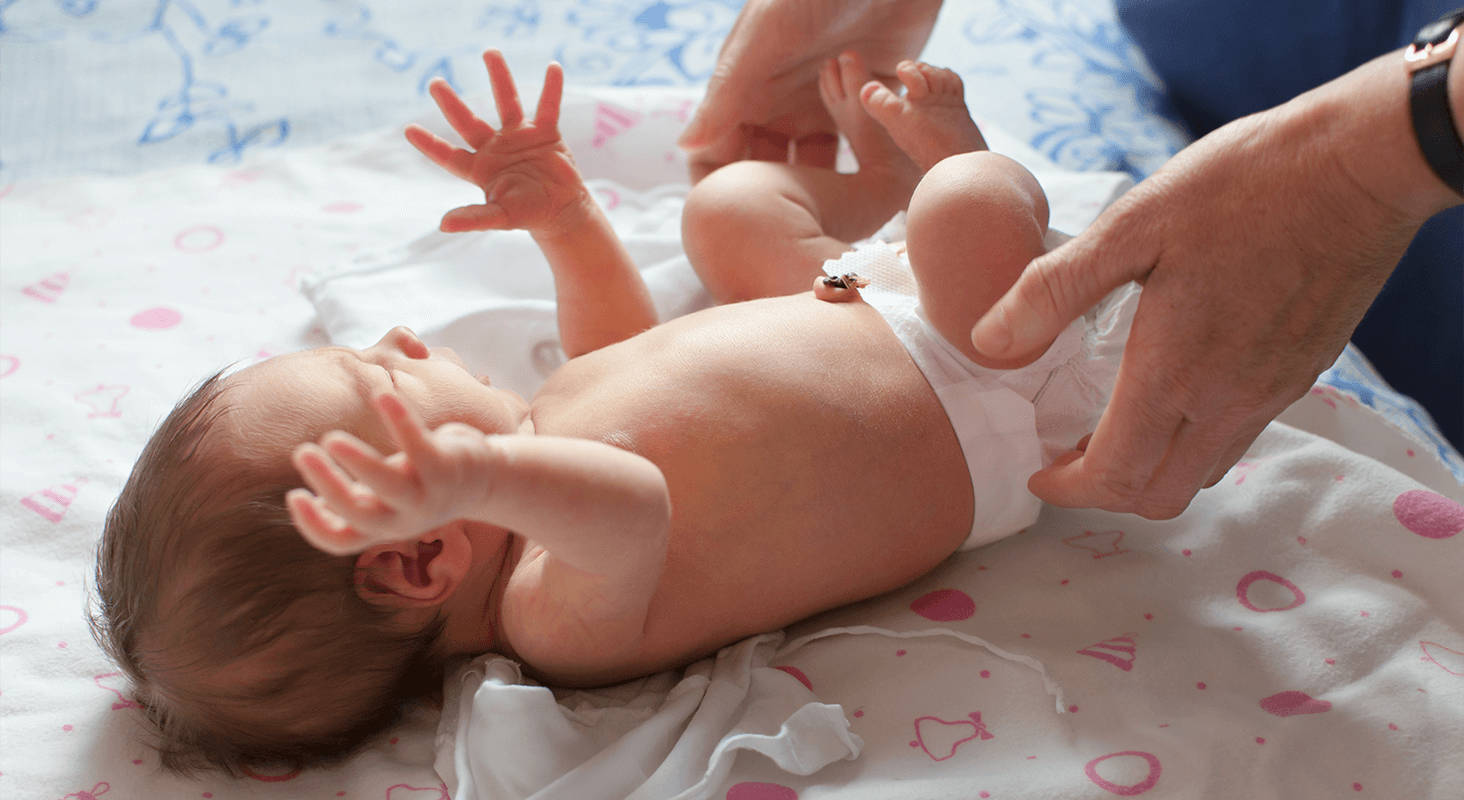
(881, 103)
(852, 73)
(943, 81)
(916, 80)
(830, 89)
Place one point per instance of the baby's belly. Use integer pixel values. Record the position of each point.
(809, 462)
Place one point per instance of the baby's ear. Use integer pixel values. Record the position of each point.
(416, 574)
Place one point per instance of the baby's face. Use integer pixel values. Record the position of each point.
(297, 397)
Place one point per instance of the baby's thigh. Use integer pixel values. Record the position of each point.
(752, 229)
(975, 221)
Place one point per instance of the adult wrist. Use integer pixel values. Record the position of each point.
(1436, 94)
(1363, 120)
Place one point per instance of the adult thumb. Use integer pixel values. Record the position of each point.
(1058, 287)
(714, 116)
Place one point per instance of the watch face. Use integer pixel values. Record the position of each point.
(1436, 32)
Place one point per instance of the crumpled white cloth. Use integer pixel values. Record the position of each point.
(503, 737)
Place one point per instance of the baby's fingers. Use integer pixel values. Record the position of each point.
(474, 131)
(505, 94)
(373, 470)
(441, 152)
(410, 435)
(322, 529)
(547, 115)
(484, 217)
(325, 478)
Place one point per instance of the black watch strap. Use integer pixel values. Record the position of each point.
(1428, 61)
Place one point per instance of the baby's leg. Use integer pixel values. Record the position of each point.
(975, 222)
(759, 229)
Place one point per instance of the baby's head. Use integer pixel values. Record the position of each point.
(245, 644)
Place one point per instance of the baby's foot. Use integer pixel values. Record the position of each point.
(881, 160)
(930, 122)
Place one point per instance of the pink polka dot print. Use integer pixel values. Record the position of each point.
(1289, 704)
(199, 239)
(752, 790)
(156, 319)
(798, 673)
(1430, 515)
(1128, 765)
(944, 605)
(1243, 588)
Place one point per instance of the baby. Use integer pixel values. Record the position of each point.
(671, 489)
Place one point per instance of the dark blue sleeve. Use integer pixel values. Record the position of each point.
(1224, 59)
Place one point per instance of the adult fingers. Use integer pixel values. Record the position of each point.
(1154, 449)
(1056, 288)
(737, 92)
(817, 150)
(714, 138)
(505, 93)
(764, 144)
(1113, 471)
(724, 150)
(1198, 456)
(1237, 450)
(474, 131)
(731, 89)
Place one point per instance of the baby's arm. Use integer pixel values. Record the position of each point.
(600, 514)
(529, 182)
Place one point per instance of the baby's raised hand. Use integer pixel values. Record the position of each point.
(359, 498)
(525, 170)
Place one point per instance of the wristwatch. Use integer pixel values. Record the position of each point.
(1427, 62)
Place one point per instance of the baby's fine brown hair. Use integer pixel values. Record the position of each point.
(246, 646)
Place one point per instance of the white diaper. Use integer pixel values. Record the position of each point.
(1010, 423)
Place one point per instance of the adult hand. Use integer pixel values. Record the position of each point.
(764, 90)
(1259, 247)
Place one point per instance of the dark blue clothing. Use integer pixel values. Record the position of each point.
(1224, 59)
